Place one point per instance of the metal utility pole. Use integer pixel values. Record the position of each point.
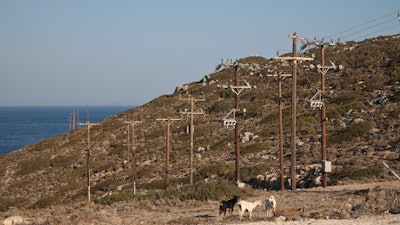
(294, 104)
(168, 122)
(280, 78)
(191, 131)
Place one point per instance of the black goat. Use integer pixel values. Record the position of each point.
(228, 204)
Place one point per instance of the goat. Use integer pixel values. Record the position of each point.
(227, 204)
(249, 206)
(270, 206)
(14, 220)
(240, 184)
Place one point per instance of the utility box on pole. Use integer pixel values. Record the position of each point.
(326, 166)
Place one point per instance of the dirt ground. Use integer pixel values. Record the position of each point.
(373, 203)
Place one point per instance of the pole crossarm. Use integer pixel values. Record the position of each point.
(293, 58)
(169, 120)
(279, 75)
(325, 69)
(239, 89)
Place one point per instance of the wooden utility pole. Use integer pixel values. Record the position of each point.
(228, 122)
(132, 152)
(89, 145)
(191, 131)
(88, 161)
(322, 69)
(323, 117)
(280, 100)
(237, 126)
(294, 104)
(168, 122)
(237, 90)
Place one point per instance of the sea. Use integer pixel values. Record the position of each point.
(21, 126)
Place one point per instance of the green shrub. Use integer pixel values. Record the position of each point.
(349, 133)
(32, 165)
(247, 173)
(147, 171)
(117, 149)
(45, 202)
(105, 185)
(64, 160)
(352, 173)
(215, 169)
(254, 148)
(116, 197)
(214, 190)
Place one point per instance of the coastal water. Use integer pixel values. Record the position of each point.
(21, 126)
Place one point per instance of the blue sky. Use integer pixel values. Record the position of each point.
(100, 52)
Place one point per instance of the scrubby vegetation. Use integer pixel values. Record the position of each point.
(362, 129)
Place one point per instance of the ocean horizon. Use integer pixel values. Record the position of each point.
(25, 125)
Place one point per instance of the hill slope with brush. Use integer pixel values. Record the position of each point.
(362, 105)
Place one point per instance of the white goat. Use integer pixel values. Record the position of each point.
(240, 184)
(249, 206)
(270, 206)
(14, 220)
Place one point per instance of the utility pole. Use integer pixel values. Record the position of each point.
(89, 145)
(237, 127)
(191, 131)
(322, 69)
(280, 79)
(132, 152)
(71, 120)
(323, 117)
(230, 122)
(88, 157)
(294, 59)
(237, 90)
(133, 173)
(168, 122)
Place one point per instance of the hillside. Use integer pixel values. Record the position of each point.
(363, 128)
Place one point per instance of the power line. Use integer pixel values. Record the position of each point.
(365, 29)
(388, 28)
(358, 26)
